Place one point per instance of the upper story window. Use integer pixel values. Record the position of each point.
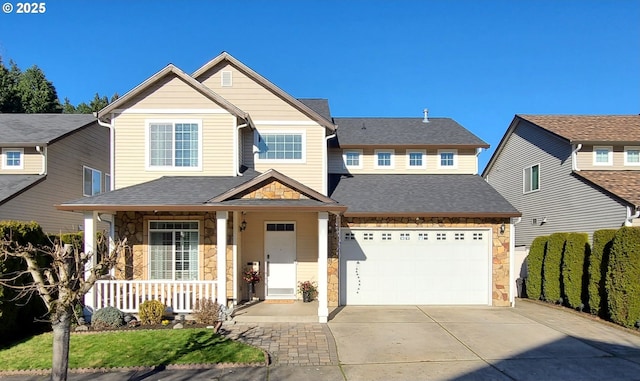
(352, 158)
(447, 158)
(91, 181)
(602, 155)
(12, 158)
(632, 155)
(281, 146)
(531, 178)
(173, 250)
(415, 159)
(174, 145)
(107, 182)
(384, 158)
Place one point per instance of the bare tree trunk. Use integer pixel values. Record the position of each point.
(61, 334)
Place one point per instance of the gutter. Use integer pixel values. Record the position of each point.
(112, 136)
(574, 157)
(630, 217)
(236, 148)
(325, 165)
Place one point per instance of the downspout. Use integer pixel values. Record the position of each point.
(43, 151)
(574, 157)
(478, 151)
(325, 165)
(512, 250)
(236, 148)
(112, 136)
(630, 217)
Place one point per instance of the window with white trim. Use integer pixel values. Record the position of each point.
(368, 236)
(447, 159)
(12, 158)
(603, 155)
(477, 236)
(277, 146)
(386, 236)
(174, 145)
(458, 236)
(384, 158)
(173, 250)
(531, 178)
(441, 236)
(631, 155)
(423, 236)
(91, 181)
(415, 159)
(405, 236)
(352, 159)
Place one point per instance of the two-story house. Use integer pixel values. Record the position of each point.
(569, 173)
(221, 170)
(48, 159)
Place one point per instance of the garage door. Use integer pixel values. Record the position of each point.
(415, 266)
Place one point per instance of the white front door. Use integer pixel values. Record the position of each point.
(280, 258)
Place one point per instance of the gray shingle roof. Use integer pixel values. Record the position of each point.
(321, 106)
(39, 128)
(467, 195)
(404, 131)
(12, 184)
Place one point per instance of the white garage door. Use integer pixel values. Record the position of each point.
(415, 266)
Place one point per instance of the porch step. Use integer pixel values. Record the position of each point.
(261, 312)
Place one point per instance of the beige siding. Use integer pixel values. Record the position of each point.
(250, 96)
(170, 92)
(585, 159)
(252, 243)
(130, 145)
(466, 162)
(66, 158)
(32, 163)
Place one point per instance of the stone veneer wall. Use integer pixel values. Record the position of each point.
(333, 262)
(134, 264)
(275, 190)
(500, 266)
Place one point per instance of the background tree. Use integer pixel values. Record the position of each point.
(61, 284)
(37, 94)
(9, 99)
(97, 104)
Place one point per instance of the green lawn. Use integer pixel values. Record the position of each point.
(132, 348)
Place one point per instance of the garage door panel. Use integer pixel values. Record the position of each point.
(404, 266)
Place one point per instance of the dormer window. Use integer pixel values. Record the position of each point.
(415, 159)
(352, 159)
(384, 159)
(603, 155)
(12, 158)
(632, 155)
(447, 159)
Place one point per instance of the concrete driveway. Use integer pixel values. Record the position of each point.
(529, 342)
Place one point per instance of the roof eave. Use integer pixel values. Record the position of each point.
(195, 208)
(435, 214)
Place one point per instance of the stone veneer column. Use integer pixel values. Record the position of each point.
(221, 255)
(323, 228)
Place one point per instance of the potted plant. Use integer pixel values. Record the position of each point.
(251, 277)
(308, 290)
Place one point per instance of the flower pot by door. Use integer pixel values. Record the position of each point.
(307, 296)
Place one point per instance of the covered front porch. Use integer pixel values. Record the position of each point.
(268, 312)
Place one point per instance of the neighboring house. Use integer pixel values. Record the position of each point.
(375, 210)
(47, 159)
(569, 173)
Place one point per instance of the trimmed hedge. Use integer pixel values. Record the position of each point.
(623, 277)
(598, 266)
(574, 261)
(535, 259)
(551, 282)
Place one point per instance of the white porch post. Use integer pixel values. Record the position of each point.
(323, 249)
(221, 255)
(90, 224)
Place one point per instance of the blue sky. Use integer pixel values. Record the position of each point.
(478, 62)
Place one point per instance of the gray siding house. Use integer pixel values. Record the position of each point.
(47, 159)
(568, 173)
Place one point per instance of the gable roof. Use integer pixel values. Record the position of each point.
(224, 56)
(319, 105)
(589, 128)
(421, 195)
(623, 184)
(12, 185)
(404, 131)
(34, 129)
(169, 70)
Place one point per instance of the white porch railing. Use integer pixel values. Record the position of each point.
(127, 295)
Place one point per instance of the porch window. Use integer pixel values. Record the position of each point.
(173, 250)
(174, 145)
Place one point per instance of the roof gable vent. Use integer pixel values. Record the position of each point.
(226, 78)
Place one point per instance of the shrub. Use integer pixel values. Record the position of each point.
(108, 317)
(206, 311)
(151, 312)
(551, 282)
(535, 259)
(574, 260)
(598, 265)
(623, 277)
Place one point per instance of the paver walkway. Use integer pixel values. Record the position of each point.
(289, 343)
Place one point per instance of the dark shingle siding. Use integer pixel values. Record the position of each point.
(39, 128)
(420, 194)
(404, 131)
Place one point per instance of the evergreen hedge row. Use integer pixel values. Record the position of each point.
(623, 277)
(551, 268)
(598, 266)
(574, 263)
(535, 259)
